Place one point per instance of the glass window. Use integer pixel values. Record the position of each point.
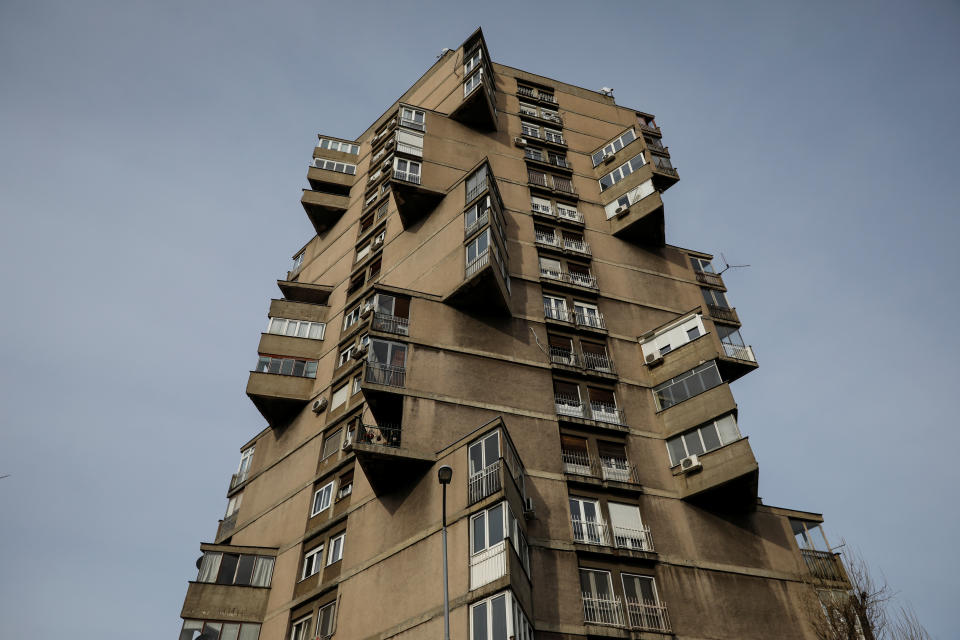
(339, 397)
(331, 443)
(300, 629)
(715, 298)
(209, 567)
(312, 561)
(336, 549)
(262, 572)
(478, 246)
(321, 499)
(703, 439)
(687, 385)
(487, 529)
(326, 616)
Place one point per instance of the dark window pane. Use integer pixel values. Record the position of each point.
(692, 440)
(244, 570)
(710, 438)
(499, 626)
(495, 524)
(479, 533)
(675, 446)
(480, 621)
(228, 567)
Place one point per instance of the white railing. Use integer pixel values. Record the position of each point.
(479, 222)
(553, 313)
(484, 483)
(569, 406)
(576, 462)
(648, 614)
(409, 149)
(576, 245)
(597, 362)
(582, 279)
(543, 210)
(559, 355)
(739, 351)
(570, 214)
(488, 565)
(406, 176)
(616, 469)
(478, 263)
(594, 320)
(591, 532)
(552, 240)
(605, 412)
(633, 539)
(605, 611)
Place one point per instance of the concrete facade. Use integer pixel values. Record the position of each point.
(484, 302)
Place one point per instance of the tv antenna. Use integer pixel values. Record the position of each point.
(727, 265)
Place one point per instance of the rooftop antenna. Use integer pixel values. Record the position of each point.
(726, 265)
(444, 52)
(607, 91)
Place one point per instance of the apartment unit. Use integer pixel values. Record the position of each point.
(489, 288)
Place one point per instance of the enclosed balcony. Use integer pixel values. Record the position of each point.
(599, 533)
(570, 408)
(232, 580)
(324, 209)
(495, 467)
(281, 386)
(385, 458)
(664, 175)
(724, 479)
(584, 468)
(486, 284)
(641, 221)
(415, 194)
(478, 108)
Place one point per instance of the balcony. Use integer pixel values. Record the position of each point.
(585, 282)
(724, 314)
(387, 323)
(641, 615)
(664, 175)
(824, 565)
(588, 469)
(555, 184)
(727, 480)
(641, 222)
(310, 293)
(385, 375)
(226, 526)
(504, 474)
(644, 615)
(486, 284)
(385, 458)
(577, 246)
(415, 196)
(323, 209)
(478, 224)
(478, 108)
(712, 279)
(607, 612)
(599, 414)
(597, 533)
(583, 362)
(279, 397)
(232, 603)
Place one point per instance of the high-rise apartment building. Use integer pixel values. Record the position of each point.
(489, 288)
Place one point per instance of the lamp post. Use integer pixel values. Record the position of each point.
(444, 475)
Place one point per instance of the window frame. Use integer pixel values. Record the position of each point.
(336, 548)
(328, 488)
(312, 560)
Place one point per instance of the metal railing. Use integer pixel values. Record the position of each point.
(598, 362)
(723, 313)
(406, 176)
(581, 463)
(551, 117)
(410, 124)
(543, 211)
(576, 245)
(409, 149)
(387, 435)
(593, 320)
(533, 154)
(488, 565)
(552, 313)
(553, 137)
(547, 97)
(663, 164)
(485, 482)
(568, 405)
(479, 222)
(570, 214)
(385, 374)
(478, 263)
(567, 357)
(591, 532)
(600, 533)
(390, 324)
(739, 351)
(823, 564)
(633, 539)
(648, 615)
(526, 92)
(570, 277)
(558, 161)
(549, 239)
(539, 179)
(605, 611)
(476, 190)
(605, 412)
(238, 479)
(709, 278)
(650, 128)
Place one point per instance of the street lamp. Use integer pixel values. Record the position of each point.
(444, 475)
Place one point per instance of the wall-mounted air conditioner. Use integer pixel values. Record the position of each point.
(690, 464)
(520, 142)
(319, 405)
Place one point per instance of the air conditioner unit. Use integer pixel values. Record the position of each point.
(608, 158)
(654, 360)
(393, 122)
(319, 405)
(528, 508)
(520, 142)
(377, 241)
(386, 164)
(347, 443)
(359, 353)
(622, 210)
(690, 464)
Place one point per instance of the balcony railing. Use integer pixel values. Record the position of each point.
(410, 124)
(570, 214)
(390, 324)
(551, 117)
(387, 435)
(663, 165)
(723, 313)
(406, 176)
(237, 479)
(571, 277)
(823, 565)
(385, 374)
(648, 615)
(577, 246)
(549, 239)
(547, 97)
(526, 92)
(478, 263)
(600, 533)
(655, 144)
(591, 532)
(709, 278)
(598, 362)
(485, 482)
(580, 463)
(592, 320)
(287, 367)
(476, 190)
(739, 351)
(539, 179)
(604, 412)
(567, 405)
(567, 357)
(478, 223)
(409, 149)
(605, 611)
(564, 186)
(488, 565)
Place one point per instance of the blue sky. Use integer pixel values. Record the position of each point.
(153, 156)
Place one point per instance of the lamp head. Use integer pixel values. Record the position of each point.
(445, 474)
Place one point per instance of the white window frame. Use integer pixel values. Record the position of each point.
(517, 624)
(300, 630)
(336, 548)
(621, 172)
(636, 194)
(312, 562)
(351, 317)
(483, 238)
(541, 205)
(529, 109)
(531, 130)
(292, 328)
(325, 497)
(344, 356)
(334, 165)
(557, 304)
(339, 396)
(337, 145)
(332, 626)
(233, 504)
(476, 57)
(553, 135)
(243, 469)
(337, 435)
(473, 82)
(613, 146)
(568, 212)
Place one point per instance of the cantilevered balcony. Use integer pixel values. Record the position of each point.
(486, 284)
(416, 194)
(572, 409)
(587, 362)
(281, 386)
(323, 209)
(385, 458)
(577, 462)
(478, 108)
(577, 280)
(824, 566)
(386, 323)
(641, 222)
(724, 314)
(712, 279)
(640, 615)
(602, 534)
(664, 175)
(307, 292)
(726, 479)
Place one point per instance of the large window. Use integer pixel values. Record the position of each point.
(475, 183)
(236, 569)
(326, 617)
(499, 618)
(704, 438)
(296, 328)
(351, 317)
(337, 145)
(287, 366)
(687, 385)
(336, 549)
(412, 118)
(478, 246)
(332, 165)
(588, 525)
(636, 194)
(407, 170)
(715, 298)
(219, 630)
(301, 629)
(611, 148)
(621, 172)
(321, 499)
(312, 562)
(246, 457)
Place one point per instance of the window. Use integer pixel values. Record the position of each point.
(356, 384)
(244, 469)
(382, 210)
(476, 182)
(487, 529)
(587, 314)
(551, 268)
(219, 630)
(472, 61)
(701, 265)
(673, 336)
(636, 194)
(484, 453)
(321, 499)
(331, 443)
(715, 298)
(344, 356)
(336, 549)
(476, 216)
(346, 485)
(297, 262)
(473, 82)
(611, 148)
(410, 143)
(312, 562)
(687, 385)
(703, 439)
(555, 308)
(499, 618)
(407, 170)
(627, 528)
(643, 605)
(613, 462)
(351, 318)
(337, 145)
(389, 353)
(233, 504)
(287, 366)
(412, 118)
(588, 525)
(528, 109)
(478, 246)
(599, 603)
(531, 130)
(809, 535)
(300, 629)
(621, 172)
(541, 205)
(332, 165)
(533, 154)
(552, 135)
(568, 212)
(296, 328)
(235, 569)
(326, 617)
(538, 178)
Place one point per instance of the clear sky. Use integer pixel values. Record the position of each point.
(152, 159)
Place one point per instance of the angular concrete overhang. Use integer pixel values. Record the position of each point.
(478, 108)
(310, 311)
(291, 346)
(384, 466)
(278, 397)
(330, 181)
(308, 292)
(323, 209)
(228, 603)
(727, 481)
(641, 222)
(483, 290)
(414, 201)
